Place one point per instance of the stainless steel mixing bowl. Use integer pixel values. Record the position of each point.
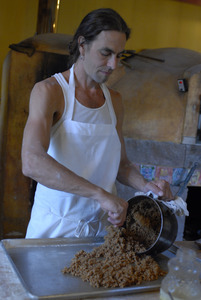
(168, 224)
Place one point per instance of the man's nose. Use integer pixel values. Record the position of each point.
(113, 62)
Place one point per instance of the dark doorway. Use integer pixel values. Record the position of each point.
(192, 229)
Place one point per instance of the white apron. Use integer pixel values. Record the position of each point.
(91, 151)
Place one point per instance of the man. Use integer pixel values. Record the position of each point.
(73, 144)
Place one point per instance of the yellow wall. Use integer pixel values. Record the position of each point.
(18, 19)
(154, 23)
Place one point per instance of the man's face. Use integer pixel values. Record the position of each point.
(102, 55)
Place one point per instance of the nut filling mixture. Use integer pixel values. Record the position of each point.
(115, 262)
(144, 222)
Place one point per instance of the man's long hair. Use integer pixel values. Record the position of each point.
(92, 24)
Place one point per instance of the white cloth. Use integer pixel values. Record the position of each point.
(91, 151)
(178, 205)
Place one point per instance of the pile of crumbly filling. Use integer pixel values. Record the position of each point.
(115, 262)
(143, 221)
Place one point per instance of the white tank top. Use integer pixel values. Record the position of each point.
(85, 114)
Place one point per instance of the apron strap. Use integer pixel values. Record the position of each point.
(107, 95)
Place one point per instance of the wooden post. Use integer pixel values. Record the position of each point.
(47, 16)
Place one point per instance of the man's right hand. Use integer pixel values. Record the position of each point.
(116, 208)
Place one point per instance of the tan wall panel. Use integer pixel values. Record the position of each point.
(14, 186)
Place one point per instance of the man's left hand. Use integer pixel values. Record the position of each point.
(160, 188)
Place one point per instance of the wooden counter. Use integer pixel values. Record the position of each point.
(12, 289)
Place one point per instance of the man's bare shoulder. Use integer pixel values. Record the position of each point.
(117, 105)
(115, 94)
(47, 96)
(116, 98)
(49, 85)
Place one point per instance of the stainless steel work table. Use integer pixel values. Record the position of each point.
(11, 287)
